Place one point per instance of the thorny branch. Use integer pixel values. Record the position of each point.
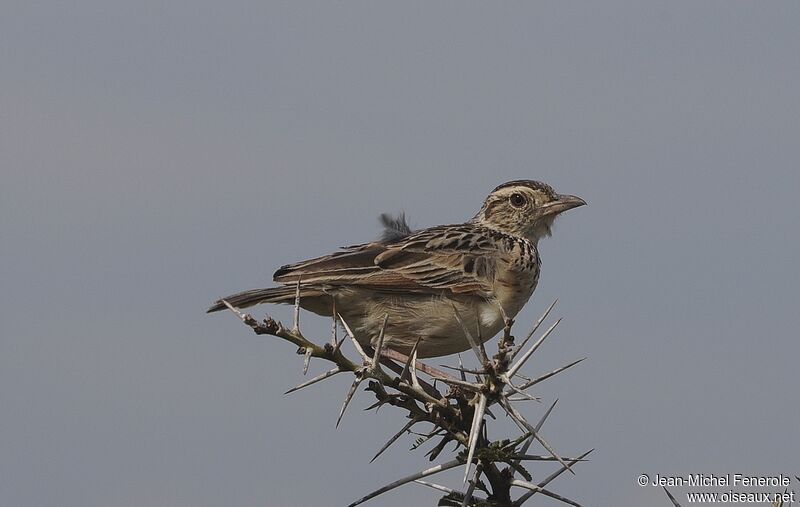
(458, 415)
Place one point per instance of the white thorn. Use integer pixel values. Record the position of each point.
(314, 380)
(379, 345)
(307, 359)
(676, 504)
(413, 370)
(410, 359)
(338, 345)
(466, 385)
(471, 488)
(438, 487)
(533, 488)
(481, 357)
(397, 435)
(347, 399)
(364, 356)
(521, 500)
(474, 431)
(513, 369)
(545, 416)
(296, 320)
(478, 325)
(546, 376)
(334, 340)
(518, 391)
(407, 479)
(234, 310)
(535, 328)
(461, 366)
(526, 426)
(529, 440)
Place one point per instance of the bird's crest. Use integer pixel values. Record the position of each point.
(395, 228)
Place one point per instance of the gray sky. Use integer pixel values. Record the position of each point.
(158, 155)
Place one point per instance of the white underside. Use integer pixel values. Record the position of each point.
(430, 318)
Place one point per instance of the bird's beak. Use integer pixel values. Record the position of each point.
(562, 204)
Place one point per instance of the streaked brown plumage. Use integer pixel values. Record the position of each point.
(485, 268)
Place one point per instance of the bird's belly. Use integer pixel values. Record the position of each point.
(441, 334)
(433, 321)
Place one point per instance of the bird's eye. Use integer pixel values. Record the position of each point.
(517, 200)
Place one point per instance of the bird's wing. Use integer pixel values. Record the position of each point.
(456, 259)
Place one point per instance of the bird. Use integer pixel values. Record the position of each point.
(429, 285)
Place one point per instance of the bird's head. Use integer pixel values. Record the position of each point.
(524, 208)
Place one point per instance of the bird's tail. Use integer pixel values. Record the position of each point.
(255, 296)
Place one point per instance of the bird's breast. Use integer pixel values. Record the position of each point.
(516, 280)
(513, 291)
